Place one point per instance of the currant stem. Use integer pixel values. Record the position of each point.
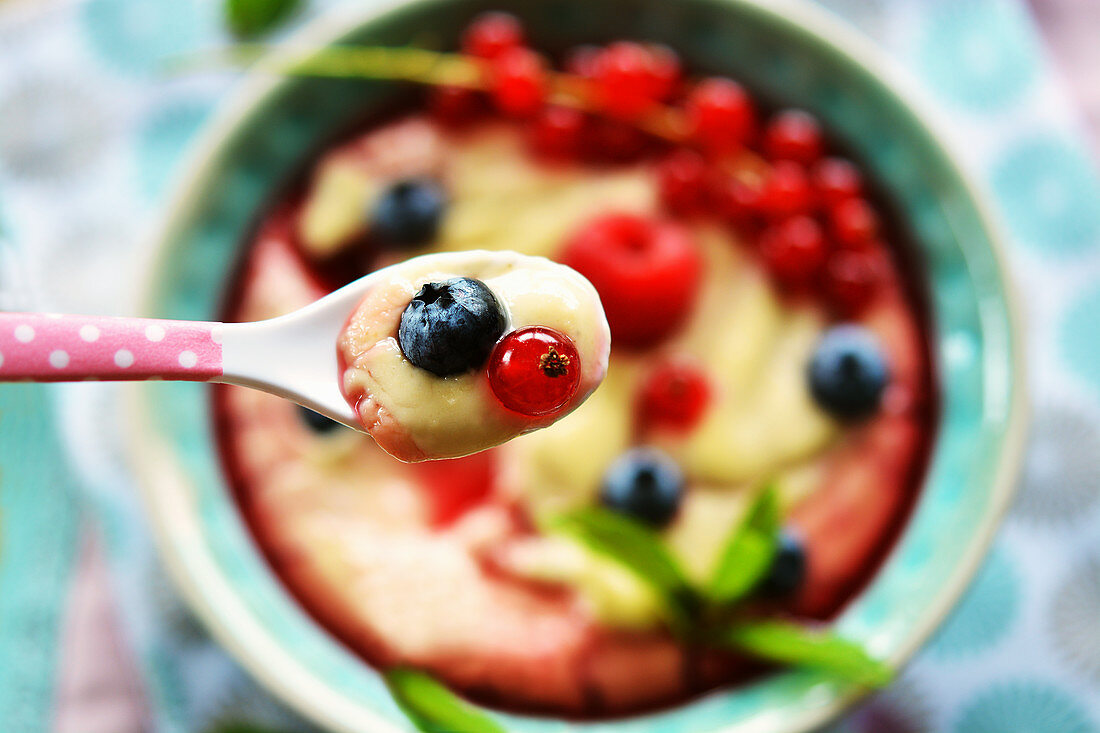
(427, 67)
(439, 68)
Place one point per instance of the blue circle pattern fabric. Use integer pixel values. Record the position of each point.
(1021, 652)
(1079, 335)
(985, 615)
(1049, 194)
(977, 53)
(1031, 705)
(143, 37)
(162, 141)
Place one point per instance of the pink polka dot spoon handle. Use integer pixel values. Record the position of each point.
(54, 348)
(293, 356)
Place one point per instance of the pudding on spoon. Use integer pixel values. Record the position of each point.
(453, 353)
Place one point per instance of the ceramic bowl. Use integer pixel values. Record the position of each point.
(786, 51)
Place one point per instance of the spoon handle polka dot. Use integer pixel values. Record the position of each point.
(40, 347)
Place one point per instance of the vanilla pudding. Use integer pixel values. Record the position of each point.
(415, 414)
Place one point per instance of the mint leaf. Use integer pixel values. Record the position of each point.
(748, 552)
(432, 707)
(240, 728)
(251, 18)
(799, 646)
(640, 550)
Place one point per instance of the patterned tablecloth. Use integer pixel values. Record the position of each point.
(90, 133)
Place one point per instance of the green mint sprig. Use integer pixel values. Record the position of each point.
(432, 707)
(748, 552)
(708, 615)
(412, 64)
(640, 550)
(798, 645)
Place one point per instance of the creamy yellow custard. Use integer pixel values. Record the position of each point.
(414, 414)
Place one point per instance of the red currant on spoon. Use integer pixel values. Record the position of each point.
(534, 370)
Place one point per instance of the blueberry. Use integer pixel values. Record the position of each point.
(643, 484)
(848, 373)
(317, 422)
(408, 213)
(451, 327)
(788, 568)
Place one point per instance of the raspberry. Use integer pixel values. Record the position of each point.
(794, 135)
(646, 271)
(491, 34)
(721, 116)
(518, 82)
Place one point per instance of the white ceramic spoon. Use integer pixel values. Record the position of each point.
(293, 356)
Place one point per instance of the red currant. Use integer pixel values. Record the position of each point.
(739, 203)
(557, 133)
(721, 116)
(682, 182)
(518, 82)
(646, 271)
(454, 106)
(835, 180)
(534, 370)
(627, 82)
(674, 395)
(786, 191)
(794, 135)
(851, 280)
(491, 34)
(794, 250)
(666, 71)
(614, 141)
(853, 223)
(583, 61)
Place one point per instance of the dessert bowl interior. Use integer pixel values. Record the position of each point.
(787, 53)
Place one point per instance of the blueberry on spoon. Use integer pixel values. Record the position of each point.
(848, 373)
(451, 327)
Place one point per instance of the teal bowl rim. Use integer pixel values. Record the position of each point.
(206, 589)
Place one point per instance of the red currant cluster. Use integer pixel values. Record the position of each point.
(590, 111)
(805, 212)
